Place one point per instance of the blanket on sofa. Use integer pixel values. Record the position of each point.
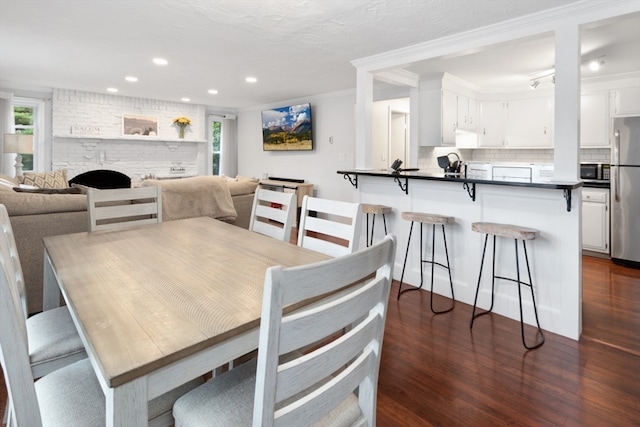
(194, 197)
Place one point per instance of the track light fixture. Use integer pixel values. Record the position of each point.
(535, 82)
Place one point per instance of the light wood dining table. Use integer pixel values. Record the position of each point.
(159, 305)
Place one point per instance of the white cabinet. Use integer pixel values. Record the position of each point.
(626, 102)
(491, 130)
(467, 113)
(449, 117)
(529, 123)
(595, 219)
(594, 120)
(438, 115)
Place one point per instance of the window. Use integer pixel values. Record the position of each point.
(216, 138)
(28, 116)
(24, 124)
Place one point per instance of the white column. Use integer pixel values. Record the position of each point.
(566, 163)
(364, 114)
(567, 103)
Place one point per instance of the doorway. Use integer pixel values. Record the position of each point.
(390, 132)
(399, 137)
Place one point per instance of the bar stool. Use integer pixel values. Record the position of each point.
(516, 233)
(433, 220)
(375, 209)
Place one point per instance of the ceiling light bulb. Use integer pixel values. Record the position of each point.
(160, 61)
(185, 99)
(251, 80)
(112, 89)
(213, 91)
(594, 65)
(131, 79)
(535, 84)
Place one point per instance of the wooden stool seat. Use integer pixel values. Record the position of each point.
(375, 209)
(428, 218)
(516, 233)
(433, 220)
(505, 230)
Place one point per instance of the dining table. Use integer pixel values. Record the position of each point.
(159, 305)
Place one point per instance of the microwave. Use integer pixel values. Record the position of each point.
(595, 171)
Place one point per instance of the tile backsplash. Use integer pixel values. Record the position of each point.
(595, 155)
(427, 156)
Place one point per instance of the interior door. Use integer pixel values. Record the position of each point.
(399, 137)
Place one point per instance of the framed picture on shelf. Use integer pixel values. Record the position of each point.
(133, 124)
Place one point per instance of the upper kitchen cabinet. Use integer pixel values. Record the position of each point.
(449, 117)
(626, 102)
(467, 113)
(594, 120)
(438, 117)
(492, 121)
(530, 123)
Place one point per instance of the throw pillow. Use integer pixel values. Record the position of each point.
(55, 179)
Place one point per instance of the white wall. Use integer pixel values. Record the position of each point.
(333, 117)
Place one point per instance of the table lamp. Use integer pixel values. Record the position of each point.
(20, 144)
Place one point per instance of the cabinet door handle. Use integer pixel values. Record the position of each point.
(484, 131)
(545, 130)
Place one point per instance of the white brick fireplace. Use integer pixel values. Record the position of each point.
(88, 134)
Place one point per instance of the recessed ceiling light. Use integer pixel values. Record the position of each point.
(112, 89)
(251, 80)
(131, 79)
(186, 100)
(160, 61)
(213, 91)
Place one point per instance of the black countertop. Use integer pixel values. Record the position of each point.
(469, 184)
(555, 185)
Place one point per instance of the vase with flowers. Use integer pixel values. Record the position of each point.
(181, 123)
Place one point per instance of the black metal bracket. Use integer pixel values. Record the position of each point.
(353, 181)
(404, 188)
(470, 190)
(567, 196)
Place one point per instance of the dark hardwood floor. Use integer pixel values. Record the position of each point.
(436, 372)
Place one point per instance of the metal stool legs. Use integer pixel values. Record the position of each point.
(518, 281)
(373, 225)
(433, 264)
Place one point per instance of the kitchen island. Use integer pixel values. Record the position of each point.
(555, 256)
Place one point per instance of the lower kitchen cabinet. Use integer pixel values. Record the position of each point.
(595, 219)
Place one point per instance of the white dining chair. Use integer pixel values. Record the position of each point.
(69, 396)
(273, 213)
(336, 382)
(123, 207)
(51, 336)
(331, 227)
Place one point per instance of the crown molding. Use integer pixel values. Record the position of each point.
(534, 24)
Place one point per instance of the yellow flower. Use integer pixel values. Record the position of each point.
(182, 121)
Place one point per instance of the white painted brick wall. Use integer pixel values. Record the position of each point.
(109, 150)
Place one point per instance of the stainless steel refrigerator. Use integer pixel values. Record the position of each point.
(625, 192)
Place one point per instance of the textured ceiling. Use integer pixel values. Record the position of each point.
(295, 48)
